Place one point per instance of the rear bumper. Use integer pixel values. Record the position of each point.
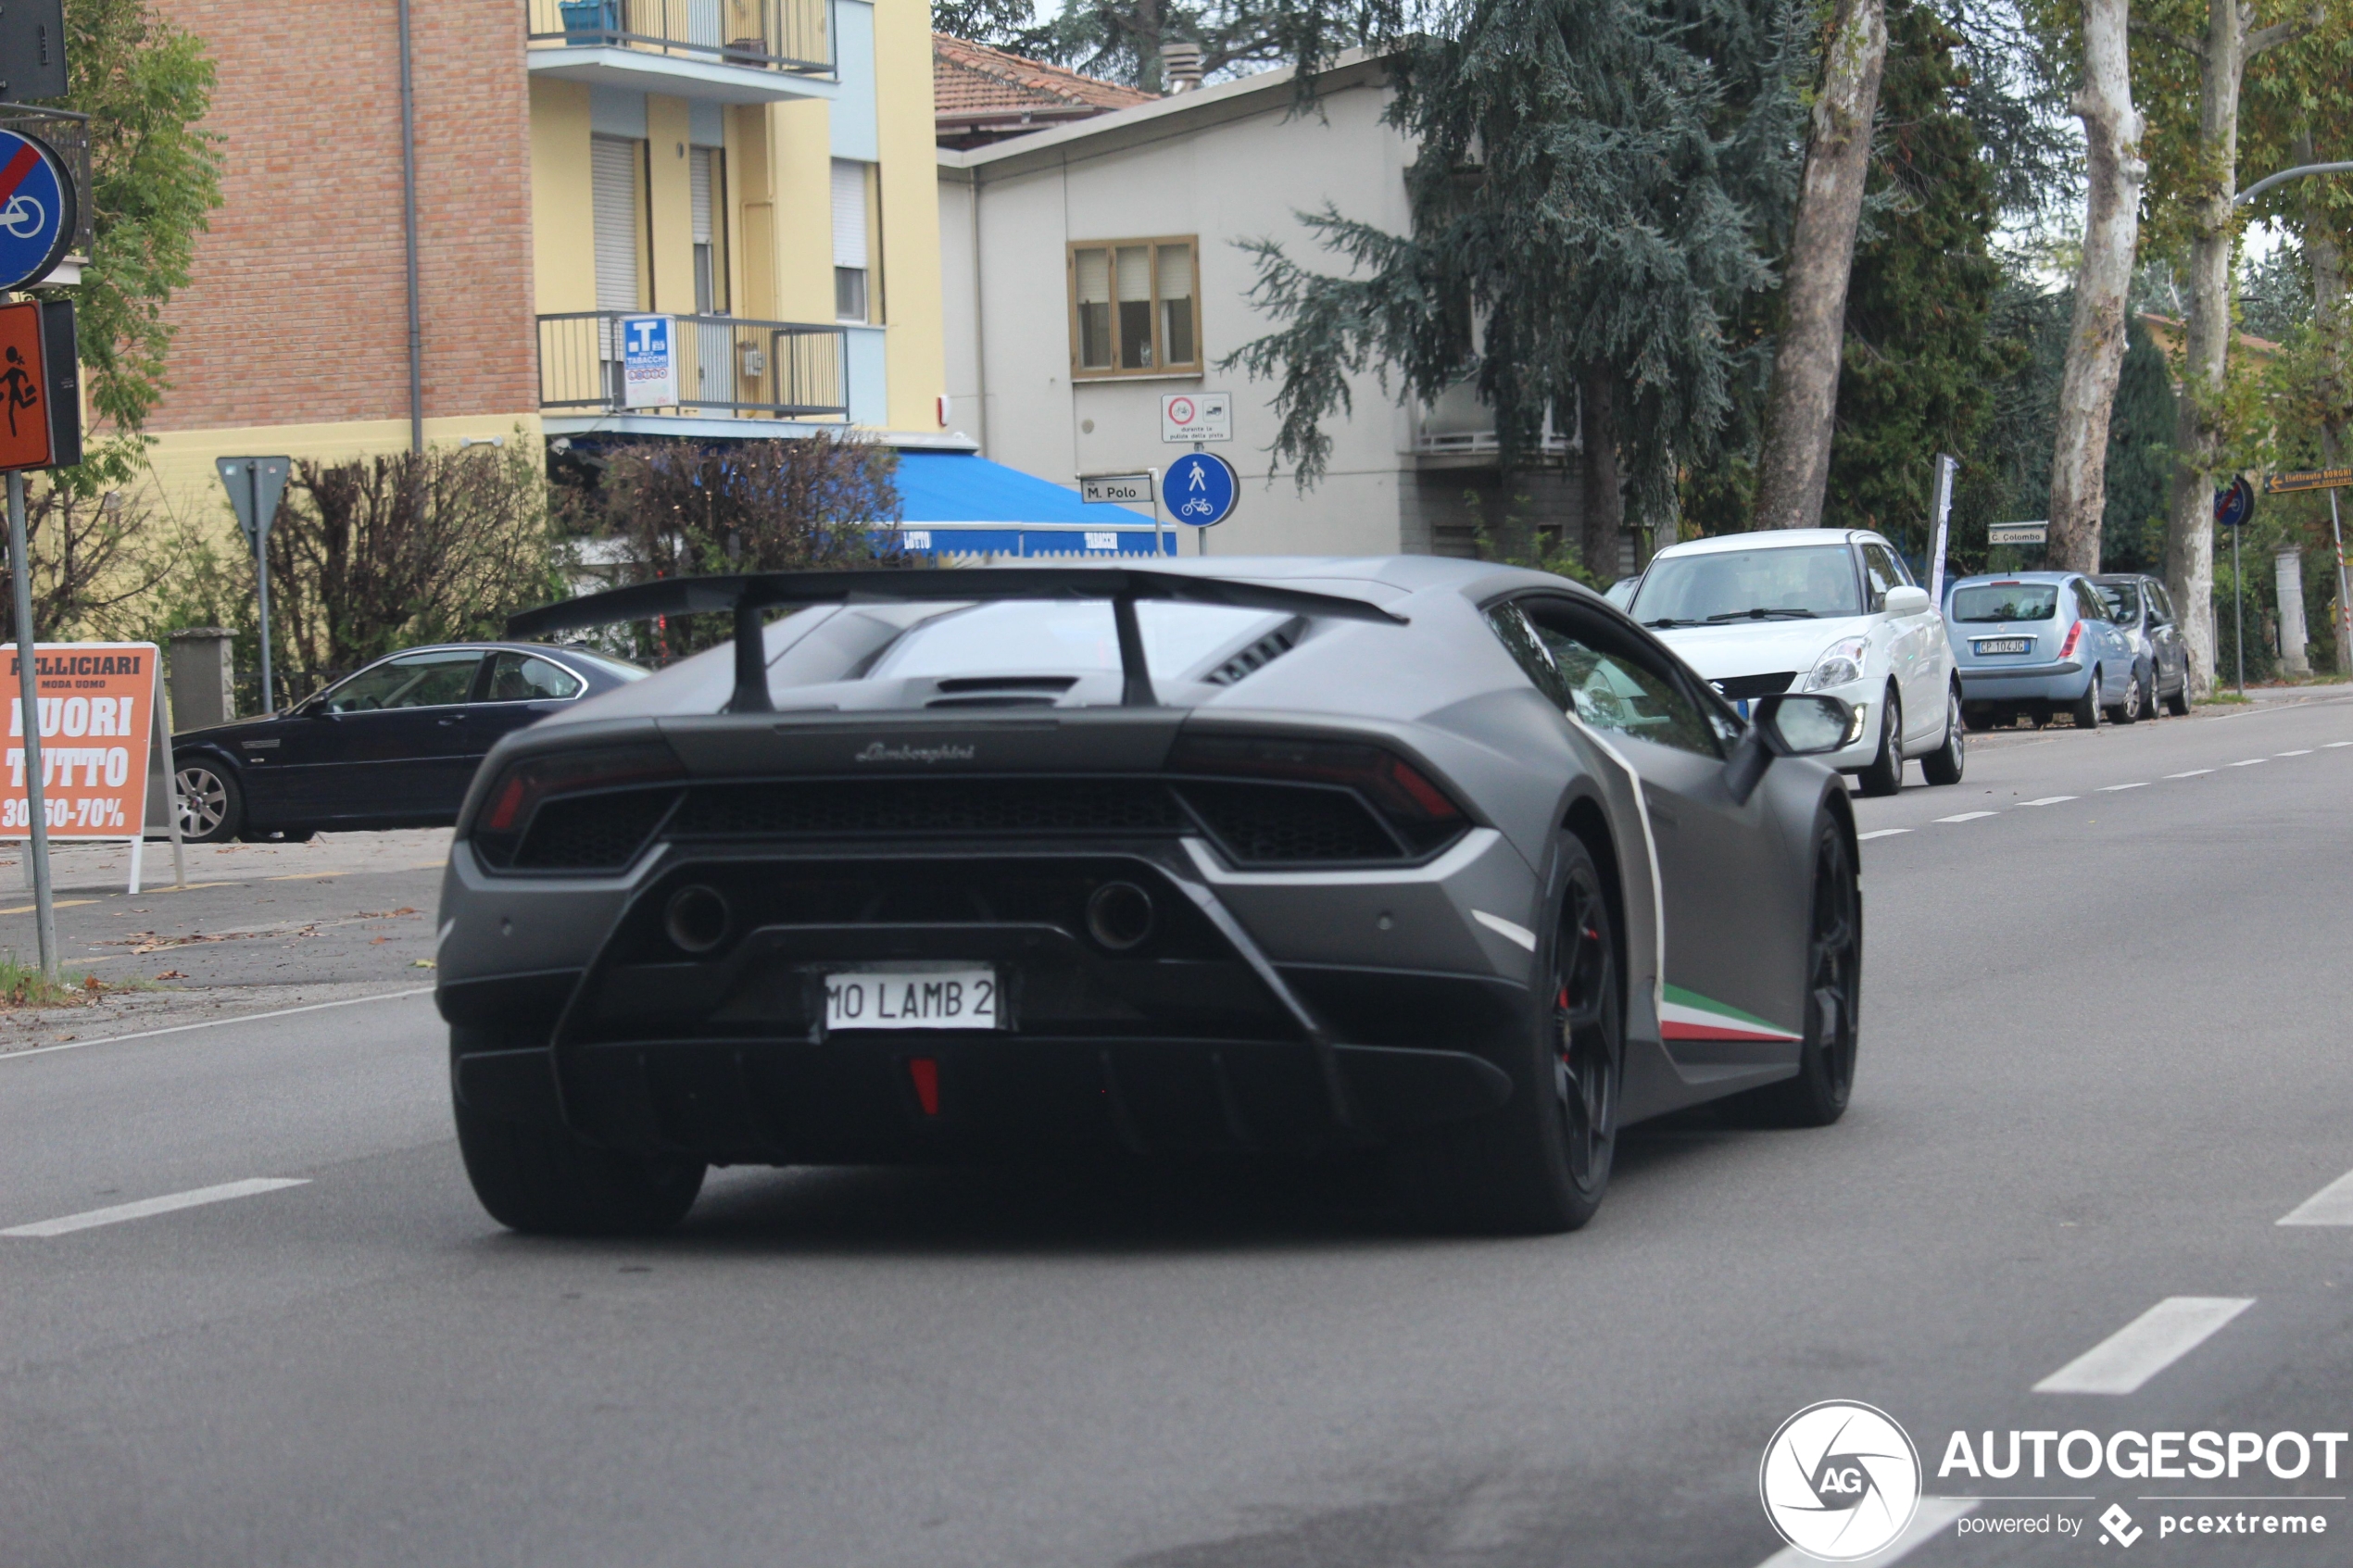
(1327, 1035)
(2047, 683)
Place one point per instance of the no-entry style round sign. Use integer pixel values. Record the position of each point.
(2234, 503)
(37, 215)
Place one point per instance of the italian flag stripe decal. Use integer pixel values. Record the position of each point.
(1687, 1015)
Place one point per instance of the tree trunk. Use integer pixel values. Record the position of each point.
(2327, 260)
(2114, 173)
(1795, 463)
(1604, 491)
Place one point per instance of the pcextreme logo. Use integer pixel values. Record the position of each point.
(1840, 1480)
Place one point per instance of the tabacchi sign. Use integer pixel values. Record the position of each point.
(97, 711)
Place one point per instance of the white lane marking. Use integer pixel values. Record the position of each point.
(2191, 775)
(1967, 816)
(2145, 1346)
(1503, 927)
(217, 1022)
(2332, 1205)
(1934, 1517)
(2250, 762)
(164, 1205)
(2335, 744)
(1879, 833)
(2306, 752)
(2111, 789)
(2047, 800)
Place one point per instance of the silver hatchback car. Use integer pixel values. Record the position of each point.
(2041, 644)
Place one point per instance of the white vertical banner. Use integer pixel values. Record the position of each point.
(1947, 466)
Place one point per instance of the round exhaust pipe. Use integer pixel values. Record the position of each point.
(697, 919)
(1119, 916)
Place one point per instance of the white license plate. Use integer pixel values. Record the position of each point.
(919, 998)
(2004, 644)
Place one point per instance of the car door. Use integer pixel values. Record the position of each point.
(1911, 658)
(400, 733)
(2165, 637)
(518, 689)
(2115, 654)
(1733, 969)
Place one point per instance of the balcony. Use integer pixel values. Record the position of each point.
(728, 368)
(725, 51)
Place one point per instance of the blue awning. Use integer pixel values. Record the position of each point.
(953, 503)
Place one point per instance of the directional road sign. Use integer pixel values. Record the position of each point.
(2018, 532)
(1201, 488)
(2234, 503)
(1115, 488)
(1196, 416)
(2308, 478)
(36, 209)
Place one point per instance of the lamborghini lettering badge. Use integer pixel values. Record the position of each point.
(877, 752)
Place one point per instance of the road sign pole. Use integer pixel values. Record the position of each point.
(2238, 601)
(29, 693)
(261, 577)
(2343, 610)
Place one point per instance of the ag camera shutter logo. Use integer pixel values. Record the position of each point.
(1840, 1480)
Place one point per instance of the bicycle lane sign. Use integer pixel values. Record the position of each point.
(37, 211)
(1201, 489)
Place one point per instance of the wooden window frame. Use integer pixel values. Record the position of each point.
(1159, 369)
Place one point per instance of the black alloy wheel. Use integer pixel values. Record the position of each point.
(1587, 1035)
(1539, 1163)
(1825, 1080)
(212, 807)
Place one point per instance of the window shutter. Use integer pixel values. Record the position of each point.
(850, 213)
(698, 181)
(612, 178)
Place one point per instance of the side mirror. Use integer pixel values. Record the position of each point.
(1791, 724)
(1907, 601)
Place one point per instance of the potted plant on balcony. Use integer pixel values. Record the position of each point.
(590, 22)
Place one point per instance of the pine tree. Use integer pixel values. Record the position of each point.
(1921, 360)
(2140, 457)
(1599, 189)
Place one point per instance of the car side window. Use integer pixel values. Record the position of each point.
(2088, 603)
(414, 679)
(522, 677)
(1528, 650)
(1619, 685)
(2160, 606)
(1881, 573)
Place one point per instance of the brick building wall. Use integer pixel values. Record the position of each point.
(296, 313)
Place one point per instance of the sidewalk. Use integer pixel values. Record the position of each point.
(90, 867)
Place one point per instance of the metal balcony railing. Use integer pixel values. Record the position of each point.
(772, 369)
(783, 35)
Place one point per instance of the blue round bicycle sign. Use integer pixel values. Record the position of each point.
(37, 216)
(2234, 503)
(1201, 488)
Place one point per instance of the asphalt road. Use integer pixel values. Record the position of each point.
(2104, 1055)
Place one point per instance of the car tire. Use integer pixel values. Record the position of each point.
(2085, 709)
(1885, 773)
(212, 803)
(1947, 762)
(1825, 1080)
(1540, 1163)
(2178, 705)
(544, 1179)
(2131, 709)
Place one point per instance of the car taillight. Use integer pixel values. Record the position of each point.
(1420, 811)
(2075, 636)
(506, 813)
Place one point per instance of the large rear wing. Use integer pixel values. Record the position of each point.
(745, 596)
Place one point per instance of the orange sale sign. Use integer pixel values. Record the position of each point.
(97, 715)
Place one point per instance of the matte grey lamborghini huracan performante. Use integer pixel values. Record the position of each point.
(1447, 859)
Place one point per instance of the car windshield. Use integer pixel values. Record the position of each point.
(1980, 602)
(1028, 636)
(1790, 583)
(2123, 601)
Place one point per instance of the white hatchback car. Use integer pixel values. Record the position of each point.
(1816, 609)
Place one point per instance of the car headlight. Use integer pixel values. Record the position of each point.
(1840, 664)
